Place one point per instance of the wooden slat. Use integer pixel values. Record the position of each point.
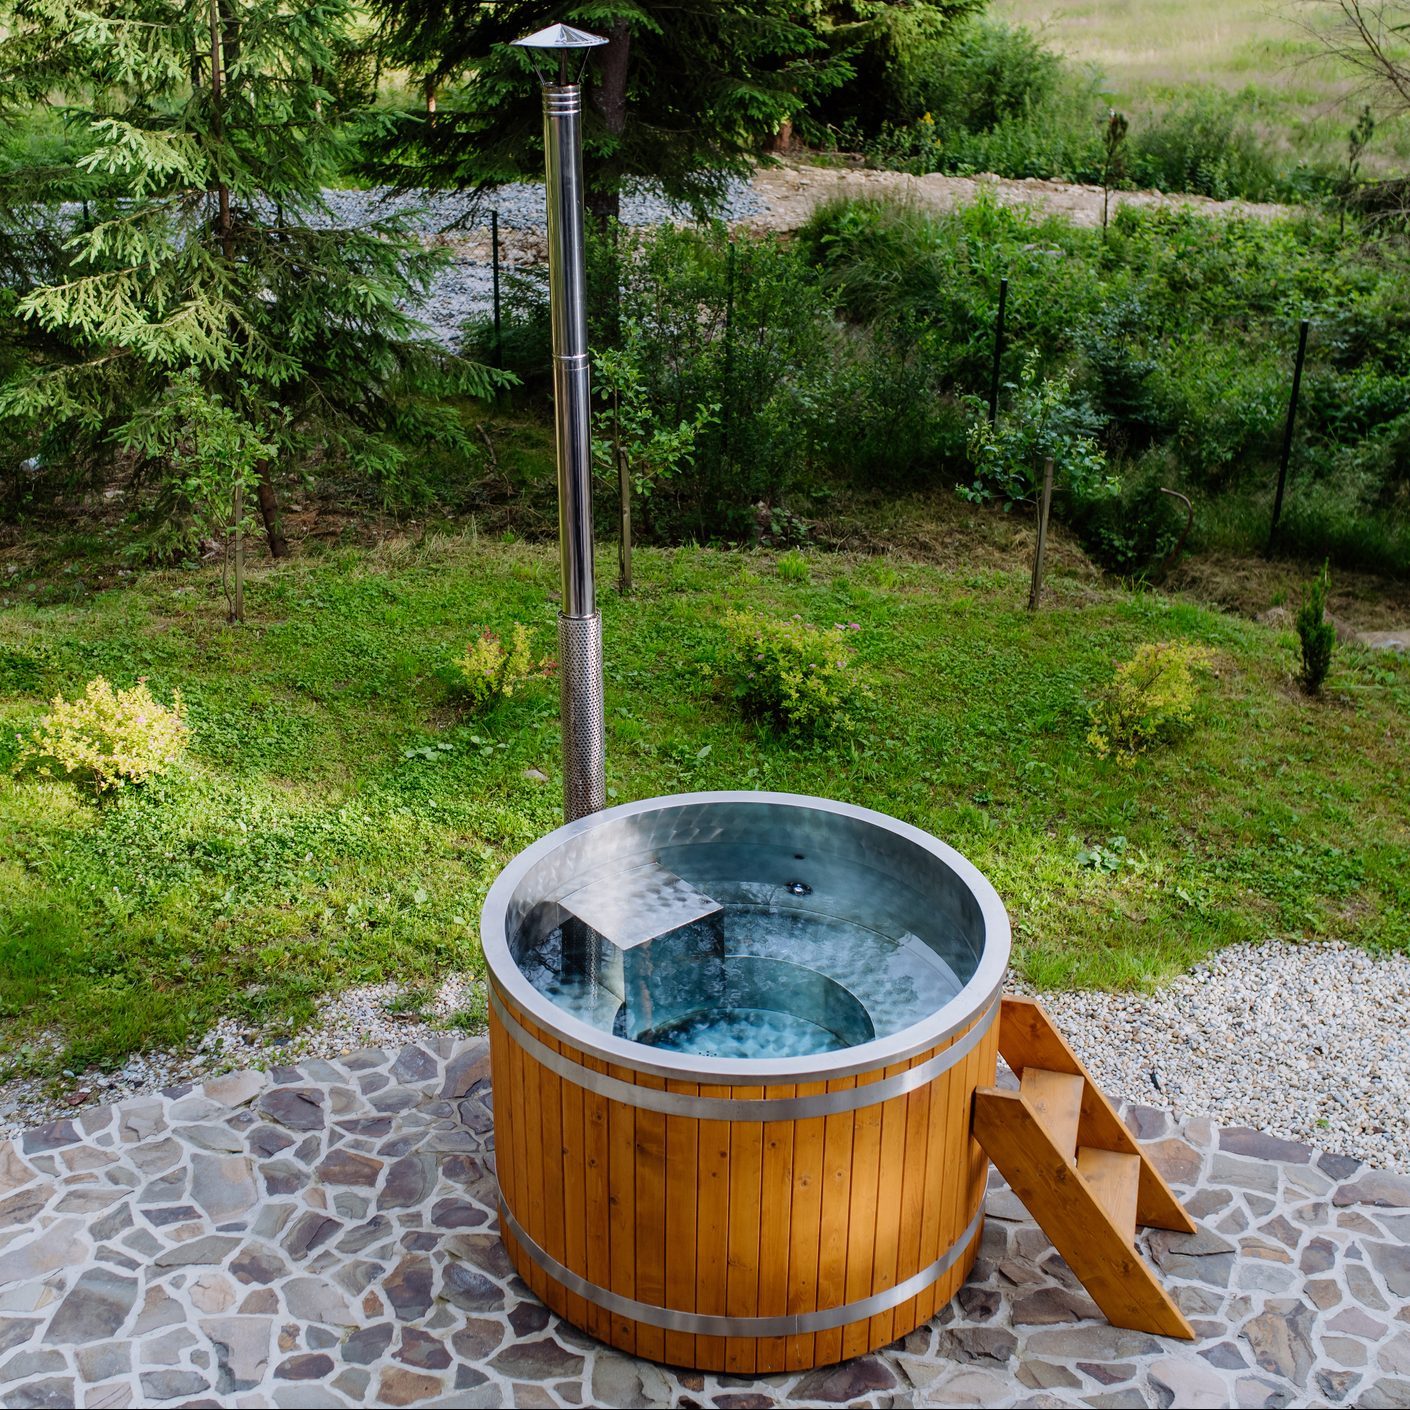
(682, 1176)
(808, 1137)
(1115, 1179)
(1066, 1208)
(650, 1219)
(886, 1247)
(836, 1212)
(597, 1148)
(575, 1206)
(862, 1220)
(530, 1213)
(775, 1231)
(913, 1195)
(746, 1164)
(948, 1111)
(712, 1231)
(550, 1113)
(621, 1206)
(1028, 1038)
(1056, 1100)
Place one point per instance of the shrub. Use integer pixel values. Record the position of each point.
(801, 678)
(490, 672)
(1149, 701)
(1204, 144)
(114, 737)
(1317, 637)
(1046, 420)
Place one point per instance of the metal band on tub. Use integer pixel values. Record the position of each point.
(710, 1325)
(746, 1108)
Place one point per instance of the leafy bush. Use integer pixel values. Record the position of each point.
(1206, 145)
(1046, 421)
(1317, 637)
(749, 332)
(113, 737)
(1149, 701)
(490, 672)
(801, 678)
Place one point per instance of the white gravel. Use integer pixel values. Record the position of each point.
(520, 206)
(1309, 1042)
(366, 1017)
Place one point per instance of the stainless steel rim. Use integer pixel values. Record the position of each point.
(709, 1325)
(746, 1108)
(959, 1013)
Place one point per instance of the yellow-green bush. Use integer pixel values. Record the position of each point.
(115, 737)
(1149, 701)
(800, 677)
(491, 671)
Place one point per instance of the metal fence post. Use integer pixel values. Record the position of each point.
(1288, 433)
(998, 350)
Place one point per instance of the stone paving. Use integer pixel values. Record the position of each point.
(323, 1236)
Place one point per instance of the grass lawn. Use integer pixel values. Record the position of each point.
(339, 823)
(1261, 49)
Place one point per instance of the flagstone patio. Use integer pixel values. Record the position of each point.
(324, 1235)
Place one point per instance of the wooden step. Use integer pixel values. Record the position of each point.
(1115, 1179)
(1056, 1099)
(1028, 1039)
(1068, 1210)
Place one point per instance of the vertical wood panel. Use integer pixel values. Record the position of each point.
(862, 1218)
(913, 1196)
(621, 1201)
(746, 1161)
(889, 1208)
(532, 1214)
(805, 1223)
(575, 1210)
(712, 1255)
(775, 1231)
(598, 1160)
(682, 1197)
(942, 1110)
(836, 1208)
(499, 1083)
(650, 1219)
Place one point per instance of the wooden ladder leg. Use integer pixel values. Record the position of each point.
(1070, 1212)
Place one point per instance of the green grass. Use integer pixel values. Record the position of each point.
(1149, 49)
(315, 841)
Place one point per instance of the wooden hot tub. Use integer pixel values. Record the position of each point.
(752, 1213)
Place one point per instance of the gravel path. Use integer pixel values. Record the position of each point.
(1310, 1042)
(1307, 1042)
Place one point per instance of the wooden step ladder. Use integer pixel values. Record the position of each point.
(1081, 1174)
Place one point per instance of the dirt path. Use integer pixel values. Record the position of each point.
(792, 191)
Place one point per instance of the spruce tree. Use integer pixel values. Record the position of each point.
(206, 248)
(684, 94)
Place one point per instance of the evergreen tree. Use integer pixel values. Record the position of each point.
(209, 127)
(684, 93)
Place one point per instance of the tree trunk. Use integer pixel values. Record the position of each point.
(609, 97)
(269, 513)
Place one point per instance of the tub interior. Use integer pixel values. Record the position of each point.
(745, 929)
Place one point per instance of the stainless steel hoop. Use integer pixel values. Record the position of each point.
(746, 1108)
(673, 1319)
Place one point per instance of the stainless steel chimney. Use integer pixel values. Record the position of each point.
(579, 625)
